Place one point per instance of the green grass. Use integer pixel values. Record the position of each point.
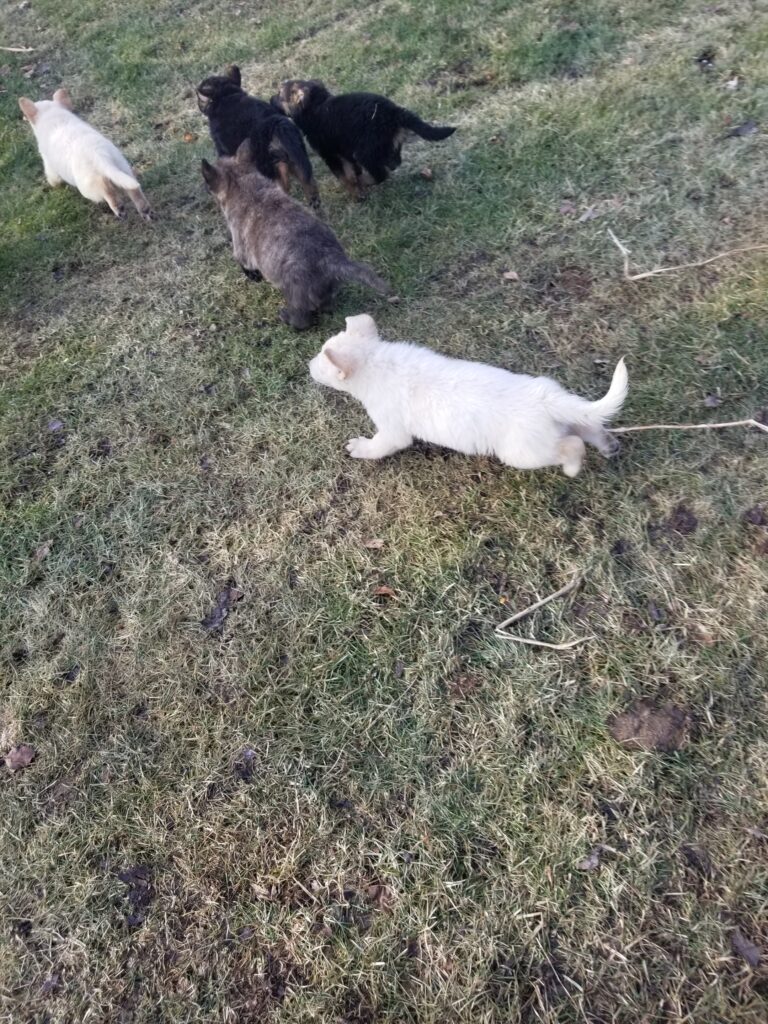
(345, 807)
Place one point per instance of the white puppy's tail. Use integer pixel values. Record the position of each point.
(607, 407)
(122, 179)
(573, 410)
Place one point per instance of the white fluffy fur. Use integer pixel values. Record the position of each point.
(74, 152)
(411, 392)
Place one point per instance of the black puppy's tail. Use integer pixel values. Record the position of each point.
(361, 272)
(287, 144)
(430, 132)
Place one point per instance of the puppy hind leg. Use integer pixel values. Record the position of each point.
(607, 444)
(111, 197)
(283, 176)
(141, 203)
(51, 176)
(571, 450)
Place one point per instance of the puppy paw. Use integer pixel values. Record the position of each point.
(148, 216)
(359, 448)
(612, 446)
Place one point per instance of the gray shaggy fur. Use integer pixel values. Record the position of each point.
(276, 238)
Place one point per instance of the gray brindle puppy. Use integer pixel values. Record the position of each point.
(277, 239)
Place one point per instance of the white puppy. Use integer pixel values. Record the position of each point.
(74, 152)
(411, 392)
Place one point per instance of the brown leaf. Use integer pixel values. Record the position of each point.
(589, 214)
(426, 173)
(745, 949)
(381, 896)
(645, 726)
(384, 591)
(566, 207)
(511, 275)
(190, 137)
(225, 602)
(374, 544)
(42, 551)
(681, 520)
(698, 858)
(20, 756)
(756, 516)
(592, 861)
(712, 401)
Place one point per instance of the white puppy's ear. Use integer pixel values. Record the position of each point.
(343, 363)
(362, 326)
(28, 109)
(62, 97)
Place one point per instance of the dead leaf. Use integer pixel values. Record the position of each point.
(756, 833)
(712, 401)
(566, 207)
(225, 602)
(645, 726)
(592, 861)
(511, 275)
(70, 675)
(394, 300)
(756, 516)
(20, 756)
(741, 131)
(374, 544)
(426, 173)
(42, 551)
(681, 520)
(699, 859)
(732, 83)
(745, 948)
(55, 426)
(381, 896)
(589, 214)
(190, 137)
(384, 591)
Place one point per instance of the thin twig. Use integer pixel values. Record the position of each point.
(682, 266)
(541, 643)
(540, 604)
(690, 426)
(17, 49)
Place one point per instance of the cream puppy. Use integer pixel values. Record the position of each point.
(74, 152)
(411, 392)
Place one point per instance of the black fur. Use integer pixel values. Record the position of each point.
(276, 143)
(358, 134)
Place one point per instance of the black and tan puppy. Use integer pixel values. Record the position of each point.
(358, 134)
(278, 239)
(276, 143)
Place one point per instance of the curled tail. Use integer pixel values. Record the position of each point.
(608, 406)
(430, 132)
(287, 143)
(577, 411)
(361, 272)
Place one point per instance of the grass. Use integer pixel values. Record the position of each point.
(343, 807)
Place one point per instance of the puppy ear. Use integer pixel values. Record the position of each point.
(244, 154)
(343, 364)
(233, 72)
(62, 97)
(211, 175)
(362, 326)
(28, 109)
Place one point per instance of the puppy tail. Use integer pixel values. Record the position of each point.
(575, 410)
(430, 132)
(354, 271)
(287, 142)
(120, 178)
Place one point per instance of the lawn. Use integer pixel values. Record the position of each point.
(349, 800)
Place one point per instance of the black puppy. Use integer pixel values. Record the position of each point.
(276, 143)
(358, 134)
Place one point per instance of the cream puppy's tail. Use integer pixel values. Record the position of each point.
(608, 406)
(120, 178)
(576, 411)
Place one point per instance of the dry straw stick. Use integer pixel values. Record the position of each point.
(682, 266)
(501, 628)
(690, 426)
(17, 49)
